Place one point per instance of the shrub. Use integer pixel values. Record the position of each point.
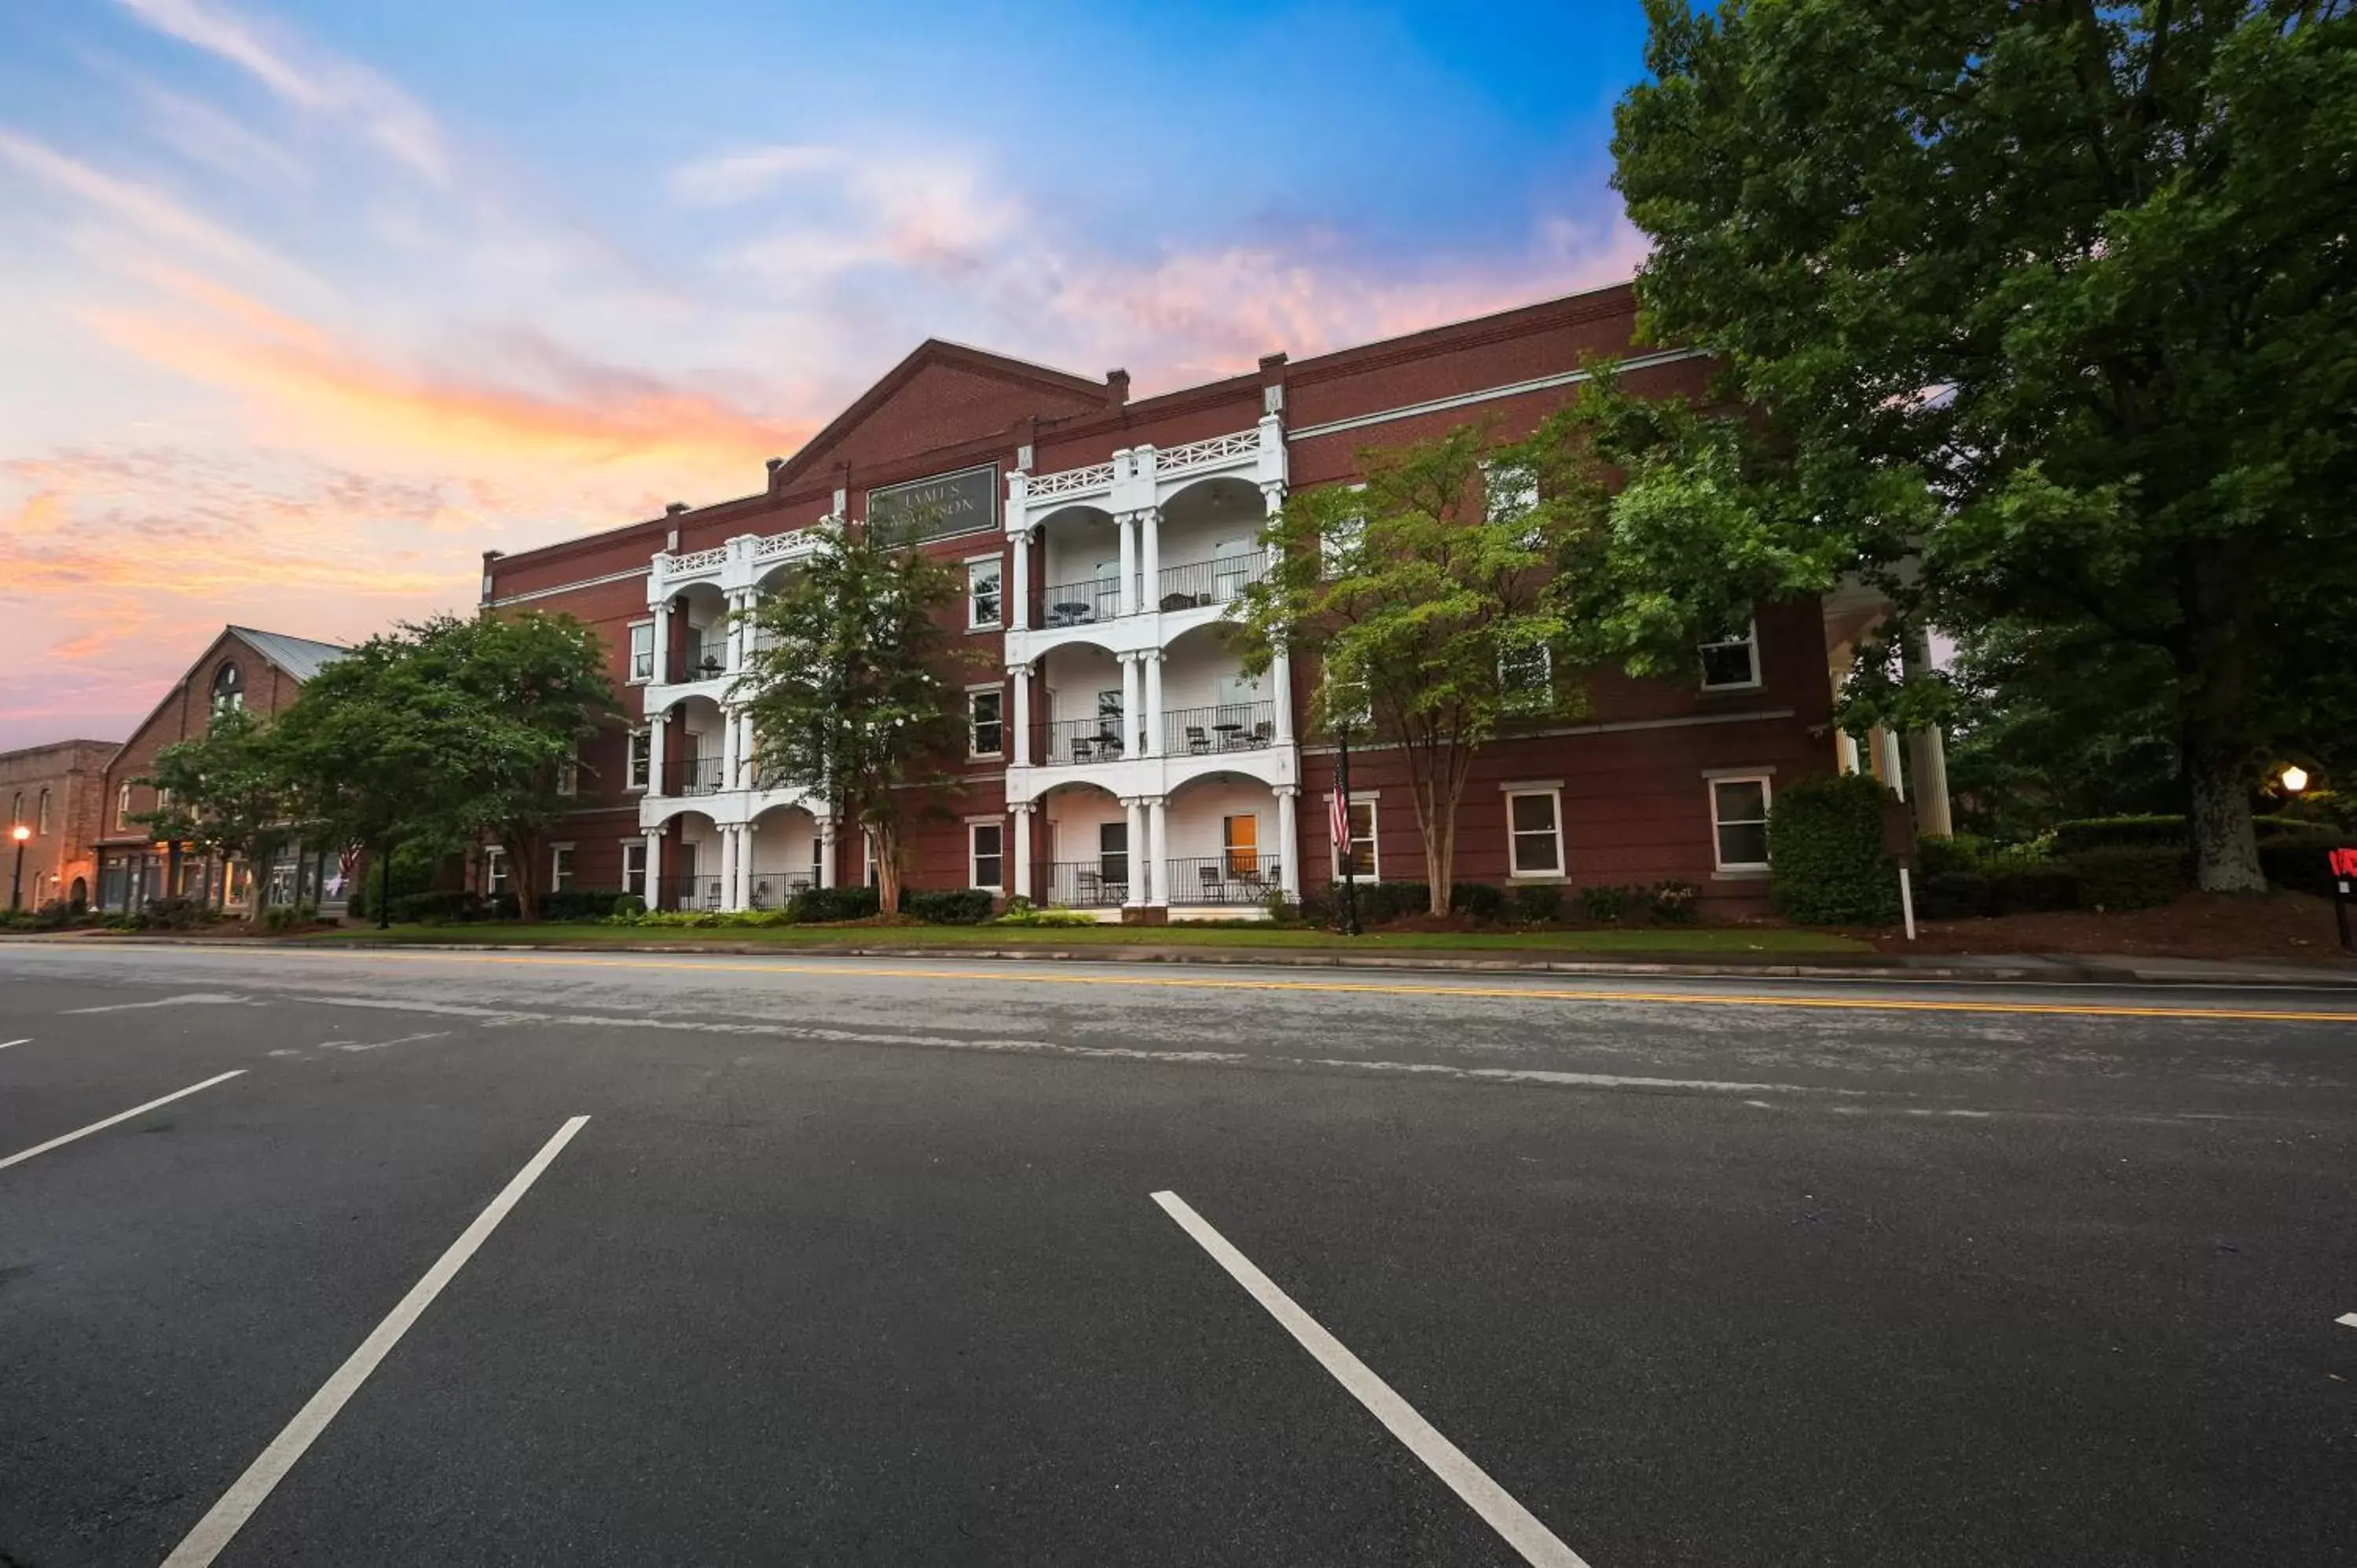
(2152, 831)
(173, 915)
(1824, 842)
(821, 905)
(1477, 900)
(445, 905)
(2299, 863)
(55, 915)
(2030, 888)
(1606, 904)
(1538, 905)
(626, 905)
(1673, 903)
(1963, 851)
(964, 907)
(1023, 912)
(1952, 895)
(2129, 876)
(578, 904)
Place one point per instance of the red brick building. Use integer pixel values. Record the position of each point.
(1119, 758)
(57, 793)
(260, 672)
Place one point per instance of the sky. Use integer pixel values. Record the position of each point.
(306, 305)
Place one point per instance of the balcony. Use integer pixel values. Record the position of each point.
(1200, 583)
(771, 890)
(1229, 726)
(1099, 883)
(1074, 743)
(691, 892)
(1081, 604)
(1239, 876)
(693, 776)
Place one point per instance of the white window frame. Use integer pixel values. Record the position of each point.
(559, 872)
(638, 760)
(974, 828)
(495, 871)
(632, 645)
(1711, 782)
(634, 866)
(568, 774)
(973, 747)
(1374, 840)
(1750, 639)
(1348, 537)
(1551, 788)
(41, 816)
(1496, 498)
(974, 565)
(123, 809)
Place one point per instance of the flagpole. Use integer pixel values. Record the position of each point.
(1350, 854)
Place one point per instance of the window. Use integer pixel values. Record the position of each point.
(229, 689)
(495, 872)
(1338, 546)
(1113, 853)
(982, 596)
(1109, 705)
(1240, 838)
(1738, 819)
(634, 866)
(560, 868)
(568, 776)
(1526, 677)
(1535, 831)
(869, 840)
(41, 823)
(987, 859)
(1350, 706)
(986, 724)
(642, 650)
(1364, 858)
(1732, 663)
(642, 757)
(1511, 491)
(122, 809)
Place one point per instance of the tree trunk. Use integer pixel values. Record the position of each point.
(524, 868)
(2215, 734)
(887, 868)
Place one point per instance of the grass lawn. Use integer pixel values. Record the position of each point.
(1701, 939)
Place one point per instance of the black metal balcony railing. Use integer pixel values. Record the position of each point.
(699, 660)
(1236, 877)
(691, 892)
(1212, 582)
(1229, 726)
(771, 889)
(1078, 604)
(693, 776)
(1070, 742)
(1099, 883)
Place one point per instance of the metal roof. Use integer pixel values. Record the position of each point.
(298, 655)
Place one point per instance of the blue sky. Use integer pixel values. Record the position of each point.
(310, 304)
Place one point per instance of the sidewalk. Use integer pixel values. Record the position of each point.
(2047, 968)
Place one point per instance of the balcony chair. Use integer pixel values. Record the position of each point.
(1198, 742)
(1212, 891)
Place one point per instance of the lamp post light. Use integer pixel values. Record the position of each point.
(2295, 779)
(20, 833)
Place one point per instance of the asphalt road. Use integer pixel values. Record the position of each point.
(862, 1263)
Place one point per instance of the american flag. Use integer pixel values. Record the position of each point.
(1342, 825)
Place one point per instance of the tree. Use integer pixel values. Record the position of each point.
(508, 700)
(1424, 594)
(2050, 302)
(223, 793)
(846, 687)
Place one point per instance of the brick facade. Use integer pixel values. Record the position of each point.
(58, 791)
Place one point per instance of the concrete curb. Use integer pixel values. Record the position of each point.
(2015, 969)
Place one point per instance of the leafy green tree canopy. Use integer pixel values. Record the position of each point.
(223, 793)
(2051, 301)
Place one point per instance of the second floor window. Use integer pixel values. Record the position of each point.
(642, 753)
(989, 728)
(642, 651)
(1731, 663)
(982, 594)
(41, 823)
(495, 872)
(560, 868)
(229, 690)
(1526, 677)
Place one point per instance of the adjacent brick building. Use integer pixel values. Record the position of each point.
(57, 792)
(1119, 758)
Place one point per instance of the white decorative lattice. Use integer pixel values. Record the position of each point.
(777, 545)
(1243, 444)
(699, 561)
(1071, 481)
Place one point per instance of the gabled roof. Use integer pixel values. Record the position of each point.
(1074, 391)
(298, 655)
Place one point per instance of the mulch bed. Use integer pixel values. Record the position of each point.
(2200, 925)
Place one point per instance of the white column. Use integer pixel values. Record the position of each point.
(826, 852)
(1149, 558)
(1135, 896)
(735, 642)
(1891, 773)
(727, 868)
(1021, 675)
(1927, 753)
(1280, 680)
(1288, 849)
(1127, 523)
(1153, 663)
(729, 731)
(662, 640)
(1019, 590)
(1158, 830)
(652, 892)
(1129, 704)
(1023, 851)
(1846, 751)
(657, 724)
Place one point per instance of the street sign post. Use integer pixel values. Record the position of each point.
(1898, 844)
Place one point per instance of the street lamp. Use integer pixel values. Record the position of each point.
(2295, 779)
(20, 833)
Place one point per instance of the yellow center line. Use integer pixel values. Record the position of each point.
(1026, 975)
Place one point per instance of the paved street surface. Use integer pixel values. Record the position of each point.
(863, 1261)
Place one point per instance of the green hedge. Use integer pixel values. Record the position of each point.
(824, 905)
(1477, 900)
(2129, 876)
(1538, 904)
(2159, 832)
(579, 904)
(966, 906)
(2299, 863)
(1824, 841)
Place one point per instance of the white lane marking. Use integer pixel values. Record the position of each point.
(1537, 1544)
(238, 1504)
(192, 999)
(2346, 1319)
(26, 1041)
(24, 1154)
